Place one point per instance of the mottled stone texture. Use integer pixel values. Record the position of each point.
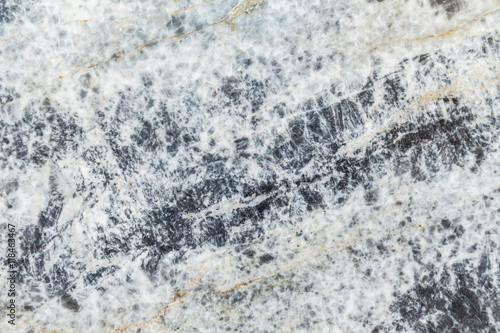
(251, 166)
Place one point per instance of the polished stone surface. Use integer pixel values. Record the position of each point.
(251, 166)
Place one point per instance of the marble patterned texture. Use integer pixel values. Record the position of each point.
(251, 166)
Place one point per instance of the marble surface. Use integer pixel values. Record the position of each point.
(251, 166)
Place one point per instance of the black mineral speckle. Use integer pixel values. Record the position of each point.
(266, 258)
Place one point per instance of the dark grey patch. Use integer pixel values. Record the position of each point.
(296, 128)
(347, 116)
(69, 302)
(423, 58)
(394, 89)
(263, 186)
(266, 258)
(93, 278)
(326, 112)
(443, 304)
(168, 230)
(317, 65)
(110, 244)
(147, 81)
(64, 135)
(276, 69)
(40, 153)
(436, 144)
(371, 196)
(241, 144)
(294, 156)
(33, 239)
(446, 223)
(20, 148)
(315, 127)
(126, 156)
(246, 89)
(353, 172)
(280, 109)
(7, 12)
(28, 308)
(253, 214)
(244, 61)
(366, 97)
(256, 94)
(172, 132)
(211, 190)
(249, 253)
(58, 281)
(450, 6)
(312, 198)
(93, 154)
(230, 88)
(50, 215)
(176, 24)
(214, 232)
(146, 137)
(4, 99)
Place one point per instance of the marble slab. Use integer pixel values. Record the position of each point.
(250, 166)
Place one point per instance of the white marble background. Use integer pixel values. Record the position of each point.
(110, 111)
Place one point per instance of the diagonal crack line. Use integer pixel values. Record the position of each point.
(247, 6)
(444, 34)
